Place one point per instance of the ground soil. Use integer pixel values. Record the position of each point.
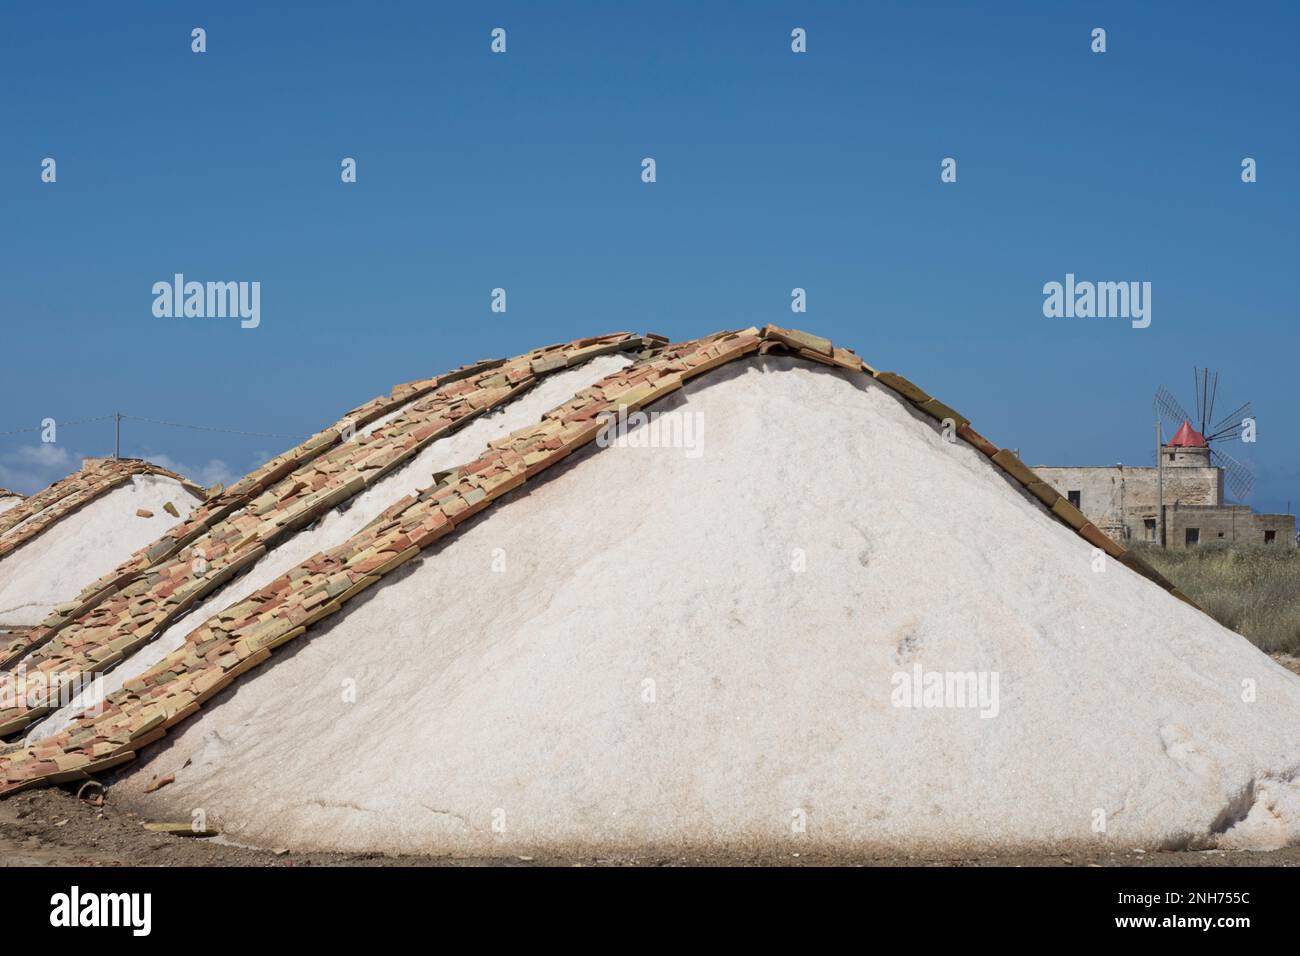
(54, 828)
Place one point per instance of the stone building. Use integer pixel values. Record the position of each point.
(1122, 501)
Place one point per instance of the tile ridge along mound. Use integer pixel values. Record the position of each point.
(244, 635)
(222, 501)
(98, 476)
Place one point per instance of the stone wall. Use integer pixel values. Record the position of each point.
(1120, 500)
(1231, 524)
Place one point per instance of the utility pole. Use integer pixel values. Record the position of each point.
(117, 435)
(1160, 488)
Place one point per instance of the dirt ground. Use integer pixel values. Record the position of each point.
(55, 828)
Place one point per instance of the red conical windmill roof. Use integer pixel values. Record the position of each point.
(1187, 437)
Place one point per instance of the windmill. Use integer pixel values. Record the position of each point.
(1209, 433)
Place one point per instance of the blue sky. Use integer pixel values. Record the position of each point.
(522, 171)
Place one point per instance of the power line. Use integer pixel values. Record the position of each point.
(153, 421)
(59, 424)
(207, 428)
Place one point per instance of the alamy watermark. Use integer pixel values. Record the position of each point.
(946, 689)
(24, 690)
(1101, 300)
(209, 300)
(129, 910)
(684, 430)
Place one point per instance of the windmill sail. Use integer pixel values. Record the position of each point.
(1238, 476)
(1171, 412)
(1207, 387)
(1229, 427)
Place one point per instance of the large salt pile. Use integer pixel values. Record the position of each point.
(80, 528)
(807, 617)
(655, 647)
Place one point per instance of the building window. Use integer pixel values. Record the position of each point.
(1269, 536)
(1074, 498)
(1192, 536)
(1149, 526)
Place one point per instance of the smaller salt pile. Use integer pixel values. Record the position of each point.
(80, 527)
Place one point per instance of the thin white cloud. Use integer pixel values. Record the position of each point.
(29, 468)
(213, 472)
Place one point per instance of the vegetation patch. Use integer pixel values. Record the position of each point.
(1253, 590)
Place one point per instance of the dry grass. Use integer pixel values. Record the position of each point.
(1255, 591)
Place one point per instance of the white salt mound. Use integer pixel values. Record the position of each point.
(706, 652)
(91, 541)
